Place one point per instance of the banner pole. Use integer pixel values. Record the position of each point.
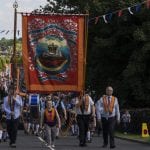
(13, 59)
(85, 52)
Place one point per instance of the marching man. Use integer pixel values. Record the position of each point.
(107, 114)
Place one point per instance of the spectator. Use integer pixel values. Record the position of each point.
(126, 119)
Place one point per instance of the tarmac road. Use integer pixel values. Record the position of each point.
(30, 142)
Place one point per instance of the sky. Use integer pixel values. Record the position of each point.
(7, 15)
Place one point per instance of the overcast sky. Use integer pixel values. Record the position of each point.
(7, 14)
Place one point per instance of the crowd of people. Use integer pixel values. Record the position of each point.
(50, 115)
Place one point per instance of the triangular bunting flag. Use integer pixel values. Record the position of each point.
(129, 9)
(7, 32)
(110, 16)
(2, 31)
(148, 4)
(104, 17)
(18, 32)
(119, 13)
(138, 7)
(96, 20)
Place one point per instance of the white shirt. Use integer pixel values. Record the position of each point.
(88, 112)
(126, 117)
(100, 111)
(17, 107)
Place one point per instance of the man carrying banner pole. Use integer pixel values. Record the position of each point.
(12, 107)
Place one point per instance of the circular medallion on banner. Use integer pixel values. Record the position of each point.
(52, 55)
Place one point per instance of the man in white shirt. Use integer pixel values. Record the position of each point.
(84, 108)
(12, 107)
(108, 113)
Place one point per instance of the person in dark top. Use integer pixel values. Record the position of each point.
(49, 121)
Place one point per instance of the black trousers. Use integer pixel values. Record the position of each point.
(83, 123)
(108, 126)
(12, 127)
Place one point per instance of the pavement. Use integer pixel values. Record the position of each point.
(133, 140)
(31, 142)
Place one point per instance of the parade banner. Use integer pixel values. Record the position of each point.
(54, 52)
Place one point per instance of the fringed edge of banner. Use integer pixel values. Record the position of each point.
(49, 13)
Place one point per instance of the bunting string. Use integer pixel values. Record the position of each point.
(108, 17)
(9, 31)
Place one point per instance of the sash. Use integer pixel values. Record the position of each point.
(108, 107)
(50, 115)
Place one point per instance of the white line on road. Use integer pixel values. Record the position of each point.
(45, 143)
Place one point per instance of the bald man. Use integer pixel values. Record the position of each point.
(108, 114)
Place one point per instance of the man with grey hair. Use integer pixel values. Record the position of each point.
(108, 113)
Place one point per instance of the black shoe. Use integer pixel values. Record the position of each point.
(10, 143)
(89, 141)
(113, 146)
(13, 145)
(4, 140)
(104, 146)
(36, 134)
(84, 145)
(81, 144)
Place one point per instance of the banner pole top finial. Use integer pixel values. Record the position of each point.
(15, 4)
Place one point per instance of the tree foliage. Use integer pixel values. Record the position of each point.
(6, 50)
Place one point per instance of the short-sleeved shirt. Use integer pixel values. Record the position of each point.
(88, 112)
(126, 117)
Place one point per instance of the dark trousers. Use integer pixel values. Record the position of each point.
(12, 127)
(108, 126)
(125, 126)
(83, 123)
